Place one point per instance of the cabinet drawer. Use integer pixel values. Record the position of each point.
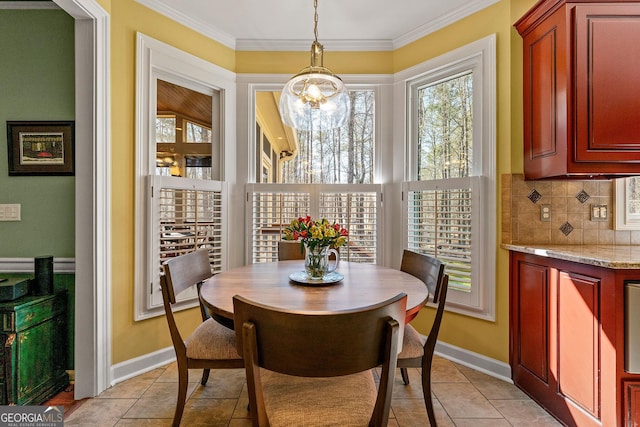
(32, 314)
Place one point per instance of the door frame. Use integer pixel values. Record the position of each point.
(92, 352)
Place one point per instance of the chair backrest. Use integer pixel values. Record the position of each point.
(290, 250)
(426, 268)
(301, 342)
(186, 270)
(322, 344)
(180, 273)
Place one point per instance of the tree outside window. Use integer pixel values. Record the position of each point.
(339, 156)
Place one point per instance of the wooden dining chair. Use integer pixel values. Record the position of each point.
(290, 250)
(211, 345)
(316, 368)
(416, 351)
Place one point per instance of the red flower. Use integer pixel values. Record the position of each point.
(344, 232)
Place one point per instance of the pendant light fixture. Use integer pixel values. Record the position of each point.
(315, 97)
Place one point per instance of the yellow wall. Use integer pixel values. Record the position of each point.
(132, 339)
(292, 62)
(488, 338)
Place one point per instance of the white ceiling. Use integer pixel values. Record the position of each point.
(342, 24)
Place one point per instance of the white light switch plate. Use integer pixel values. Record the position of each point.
(10, 212)
(599, 212)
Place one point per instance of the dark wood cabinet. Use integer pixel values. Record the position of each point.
(34, 337)
(632, 403)
(581, 88)
(563, 338)
(578, 339)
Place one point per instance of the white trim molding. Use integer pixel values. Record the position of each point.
(623, 218)
(174, 13)
(157, 359)
(92, 359)
(139, 365)
(479, 362)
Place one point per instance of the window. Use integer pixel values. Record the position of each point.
(355, 207)
(449, 198)
(344, 155)
(181, 200)
(325, 174)
(187, 215)
(627, 203)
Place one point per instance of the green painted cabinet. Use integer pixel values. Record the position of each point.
(33, 333)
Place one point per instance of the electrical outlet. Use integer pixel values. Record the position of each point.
(10, 212)
(599, 213)
(545, 213)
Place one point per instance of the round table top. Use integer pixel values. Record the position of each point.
(269, 284)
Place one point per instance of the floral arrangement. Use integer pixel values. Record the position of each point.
(316, 233)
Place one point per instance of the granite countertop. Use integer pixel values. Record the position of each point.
(609, 256)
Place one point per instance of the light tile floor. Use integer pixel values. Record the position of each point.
(463, 398)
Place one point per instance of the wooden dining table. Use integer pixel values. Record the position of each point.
(269, 284)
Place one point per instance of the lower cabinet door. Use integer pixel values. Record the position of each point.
(632, 403)
(532, 322)
(578, 323)
(40, 371)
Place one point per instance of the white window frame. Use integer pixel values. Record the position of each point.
(624, 220)
(380, 84)
(154, 60)
(480, 58)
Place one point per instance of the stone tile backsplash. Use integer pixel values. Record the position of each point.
(569, 221)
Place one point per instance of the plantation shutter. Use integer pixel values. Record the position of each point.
(271, 212)
(187, 215)
(358, 213)
(355, 207)
(441, 222)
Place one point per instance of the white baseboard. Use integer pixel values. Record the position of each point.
(476, 361)
(139, 365)
(25, 265)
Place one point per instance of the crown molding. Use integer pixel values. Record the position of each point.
(28, 5)
(441, 22)
(303, 45)
(333, 45)
(195, 24)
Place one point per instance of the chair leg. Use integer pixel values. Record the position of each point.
(426, 391)
(205, 376)
(405, 376)
(429, 404)
(183, 382)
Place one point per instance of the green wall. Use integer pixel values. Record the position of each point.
(36, 83)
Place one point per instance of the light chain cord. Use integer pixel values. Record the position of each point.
(315, 19)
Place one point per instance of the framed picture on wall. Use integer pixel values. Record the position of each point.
(40, 147)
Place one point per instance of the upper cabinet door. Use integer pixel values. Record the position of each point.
(607, 83)
(581, 89)
(545, 82)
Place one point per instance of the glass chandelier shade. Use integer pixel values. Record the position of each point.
(315, 98)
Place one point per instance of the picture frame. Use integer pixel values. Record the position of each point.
(41, 147)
